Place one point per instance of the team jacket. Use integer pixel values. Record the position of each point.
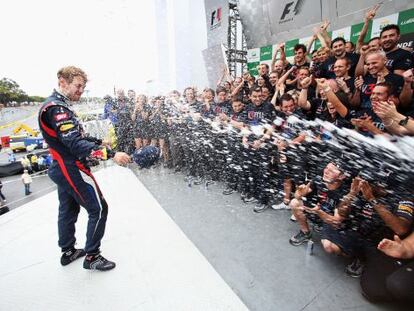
(62, 131)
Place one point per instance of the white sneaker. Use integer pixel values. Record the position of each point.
(280, 206)
(293, 218)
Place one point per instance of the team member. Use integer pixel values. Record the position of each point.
(76, 184)
(398, 59)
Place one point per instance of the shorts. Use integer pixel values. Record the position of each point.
(351, 243)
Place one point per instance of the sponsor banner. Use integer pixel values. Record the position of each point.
(356, 31)
(253, 55)
(406, 21)
(252, 67)
(266, 53)
(380, 23)
(289, 47)
(343, 33)
(407, 41)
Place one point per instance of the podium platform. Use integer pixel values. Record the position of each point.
(158, 267)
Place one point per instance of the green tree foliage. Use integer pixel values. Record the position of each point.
(10, 91)
(36, 99)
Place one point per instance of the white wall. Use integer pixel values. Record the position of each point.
(181, 36)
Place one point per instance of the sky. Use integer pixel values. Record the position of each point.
(113, 41)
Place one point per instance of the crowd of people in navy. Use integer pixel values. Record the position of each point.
(327, 136)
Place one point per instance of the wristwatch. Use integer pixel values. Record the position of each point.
(404, 121)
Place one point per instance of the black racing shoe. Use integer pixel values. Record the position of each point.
(300, 238)
(71, 255)
(98, 262)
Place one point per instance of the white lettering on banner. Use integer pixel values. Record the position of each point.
(408, 21)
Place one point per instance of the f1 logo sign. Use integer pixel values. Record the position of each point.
(291, 9)
(215, 19)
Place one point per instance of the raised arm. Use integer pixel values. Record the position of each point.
(272, 66)
(360, 67)
(286, 75)
(332, 98)
(237, 89)
(407, 91)
(323, 34)
(369, 16)
(391, 118)
(398, 225)
(282, 53)
(309, 45)
(303, 96)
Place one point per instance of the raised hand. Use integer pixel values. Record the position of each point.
(325, 25)
(322, 83)
(363, 122)
(408, 76)
(355, 186)
(366, 190)
(359, 81)
(342, 84)
(303, 190)
(306, 82)
(372, 12)
(380, 77)
(364, 50)
(384, 110)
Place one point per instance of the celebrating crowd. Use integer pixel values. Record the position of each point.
(327, 137)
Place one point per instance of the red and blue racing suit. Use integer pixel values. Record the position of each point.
(76, 185)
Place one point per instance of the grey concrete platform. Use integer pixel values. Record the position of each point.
(251, 251)
(158, 268)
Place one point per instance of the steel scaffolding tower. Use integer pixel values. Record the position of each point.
(236, 54)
